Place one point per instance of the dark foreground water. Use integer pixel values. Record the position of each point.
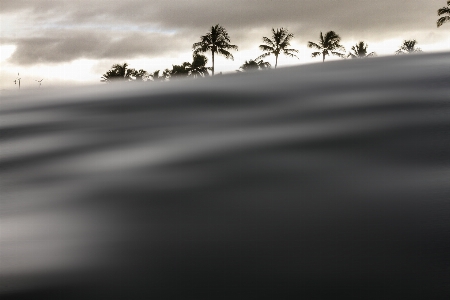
(320, 181)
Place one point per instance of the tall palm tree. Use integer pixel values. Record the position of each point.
(198, 66)
(279, 43)
(443, 11)
(216, 41)
(360, 51)
(408, 47)
(252, 64)
(328, 44)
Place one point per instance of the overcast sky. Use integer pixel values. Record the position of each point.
(67, 42)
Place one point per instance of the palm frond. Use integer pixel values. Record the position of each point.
(315, 54)
(338, 54)
(290, 54)
(443, 10)
(331, 35)
(274, 34)
(266, 48)
(291, 50)
(287, 39)
(225, 53)
(442, 20)
(268, 41)
(314, 45)
(263, 55)
(284, 44)
(264, 64)
(201, 47)
(233, 47)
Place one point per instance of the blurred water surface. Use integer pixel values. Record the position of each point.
(311, 182)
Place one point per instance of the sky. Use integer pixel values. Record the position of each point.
(75, 42)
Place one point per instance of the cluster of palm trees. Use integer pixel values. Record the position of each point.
(217, 41)
(253, 64)
(121, 72)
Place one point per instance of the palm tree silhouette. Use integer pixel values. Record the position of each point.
(139, 75)
(281, 39)
(165, 75)
(252, 64)
(118, 73)
(216, 41)
(408, 46)
(327, 45)
(123, 73)
(179, 71)
(198, 66)
(360, 51)
(443, 11)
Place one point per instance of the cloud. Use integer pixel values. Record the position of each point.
(60, 31)
(67, 46)
(347, 14)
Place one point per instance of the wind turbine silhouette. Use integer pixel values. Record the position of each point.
(17, 80)
(40, 81)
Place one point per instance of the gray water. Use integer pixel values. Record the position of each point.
(311, 182)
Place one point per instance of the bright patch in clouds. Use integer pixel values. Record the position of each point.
(6, 51)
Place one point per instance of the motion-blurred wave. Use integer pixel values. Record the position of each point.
(317, 181)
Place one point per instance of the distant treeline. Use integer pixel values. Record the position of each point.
(217, 42)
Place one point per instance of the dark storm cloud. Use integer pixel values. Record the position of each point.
(305, 18)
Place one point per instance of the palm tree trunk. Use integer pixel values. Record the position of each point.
(212, 62)
(323, 57)
(276, 61)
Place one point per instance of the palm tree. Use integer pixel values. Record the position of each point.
(281, 39)
(327, 45)
(179, 71)
(360, 51)
(216, 41)
(198, 66)
(118, 73)
(140, 75)
(443, 11)
(123, 73)
(252, 64)
(155, 76)
(408, 47)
